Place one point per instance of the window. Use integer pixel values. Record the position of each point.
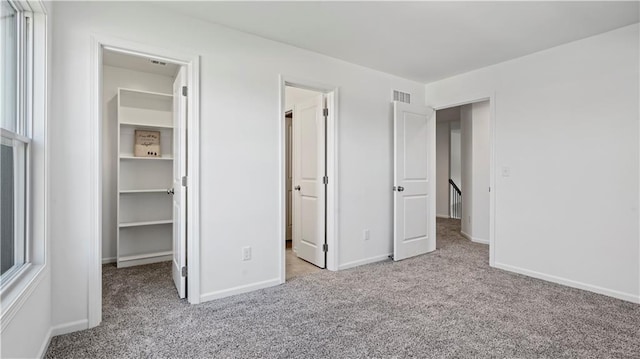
(15, 102)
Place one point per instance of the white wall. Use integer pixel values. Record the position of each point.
(480, 172)
(294, 95)
(27, 334)
(239, 116)
(114, 78)
(466, 168)
(566, 115)
(442, 168)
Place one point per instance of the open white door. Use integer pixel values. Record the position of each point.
(414, 206)
(309, 187)
(179, 188)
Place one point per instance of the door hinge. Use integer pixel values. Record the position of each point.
(325, 247)
(184, 271)
(325, 112)
(184, 90)
(184, 181)
(325, 180)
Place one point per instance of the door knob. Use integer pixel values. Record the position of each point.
(170, 191)
(297, 188)
(400, 188)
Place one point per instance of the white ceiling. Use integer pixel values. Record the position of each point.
(422, 41)
(138, 63)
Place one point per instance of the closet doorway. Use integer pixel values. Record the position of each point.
(144, 160)
(146, 170)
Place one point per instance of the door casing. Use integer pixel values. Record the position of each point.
(332, 169)
(491, 97)
(192, 64)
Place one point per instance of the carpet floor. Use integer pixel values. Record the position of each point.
(446, 304)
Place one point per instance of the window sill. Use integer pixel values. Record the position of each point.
(16, 293)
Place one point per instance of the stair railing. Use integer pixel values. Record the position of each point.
(455, 194)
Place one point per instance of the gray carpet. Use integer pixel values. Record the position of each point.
(447, 304)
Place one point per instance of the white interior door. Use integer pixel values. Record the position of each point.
(309, 187)
(414, 209)
(179, 191)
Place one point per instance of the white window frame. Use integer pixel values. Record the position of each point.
(24, 99)
(18, 283)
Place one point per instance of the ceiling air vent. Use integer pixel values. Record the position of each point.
(156, 62)
(401, 96)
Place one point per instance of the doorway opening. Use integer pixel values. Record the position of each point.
(463, 171)
(146, 195)
(144, 160)
(305, 172)
(308, 242)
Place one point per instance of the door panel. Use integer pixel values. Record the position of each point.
(309, 170)
(179, 195)
(414, 180)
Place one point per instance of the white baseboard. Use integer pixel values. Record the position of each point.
(108, 260)
(238, 290)
(442, 216)
(474, 239)
(479, 240)
(70, 327)
(45, 345)
(144, 261)
(570, 283)
(364, 261)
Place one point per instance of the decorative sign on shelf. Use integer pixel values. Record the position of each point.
(147, 144)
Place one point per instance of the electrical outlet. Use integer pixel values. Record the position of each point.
(246, 253)
(365, 234)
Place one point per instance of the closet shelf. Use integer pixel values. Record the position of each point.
(145, 255)
(134, 124)
(146, 158)
(145, 223)
(153, 190)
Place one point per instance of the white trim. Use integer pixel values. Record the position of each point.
(69, 327)
(239, 290)
(442, 216)
(94, 285)
(332, 93)
(480, 240)
(45, 345)
(109, 260)
(492, 160)
(474, 239)
(364, 261)
(570, 283)
(192, 63)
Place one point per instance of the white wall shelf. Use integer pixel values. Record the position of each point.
(146, 255)
(145, 224)
(146, 158)
(145, 125)
(151, 190)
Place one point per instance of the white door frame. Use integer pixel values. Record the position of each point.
(192, 63)
(332, 168)
(492, 154)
